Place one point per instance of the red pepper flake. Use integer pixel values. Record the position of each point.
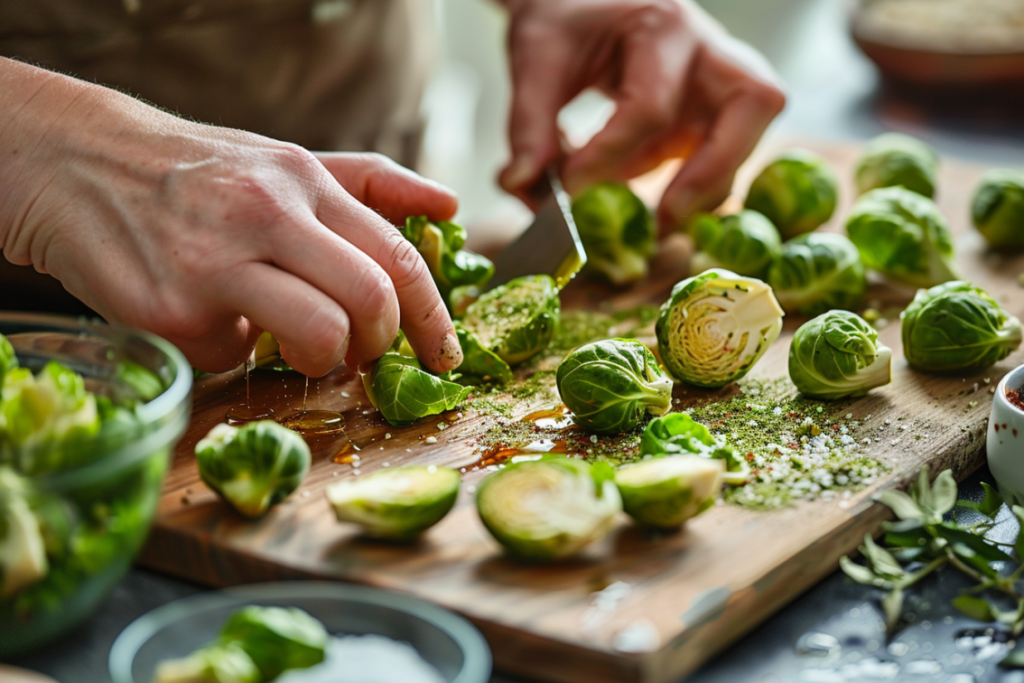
(793, 445)
(1016, 397)
(749, 457)
(793, 415)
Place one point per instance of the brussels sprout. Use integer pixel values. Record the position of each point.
(998, 208)
(8, 359)
(715, 326)
(957, 328)
(816, 273)
(611, 385)
(894, 159)
(549, 508)
(837, 355)
(517, 319)
(277, 638)
(479, 364)
(253, 467)
(217, 663)
(797, 192)
(902, 235)
(745, 243)
(22, 548)
(404, 392)
(396, 503)
(145, 384)
(452, 267)
(665, 492)
(617, 230)
(680, 434)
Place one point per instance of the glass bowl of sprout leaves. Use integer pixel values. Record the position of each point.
(89, 414)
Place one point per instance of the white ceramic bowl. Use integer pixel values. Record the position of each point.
(1005, 441)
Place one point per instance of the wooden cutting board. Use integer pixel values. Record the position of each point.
(677, 599)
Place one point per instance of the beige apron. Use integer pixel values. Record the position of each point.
(325, 74)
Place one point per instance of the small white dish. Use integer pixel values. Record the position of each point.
(1005, 440)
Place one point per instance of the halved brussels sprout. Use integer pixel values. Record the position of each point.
(998, 208)
(797, 192)
(744, 242)
(396, 503)
(550, 508)
(479, 364)
(665, 492)
(680, 434)
(277, 638)
(957, 328)
(22, 549)
(253, 467)
(216, 663)
(902, 235)
(838, 355)
(617, 230)
(894, 159)
(452, 267)
(611, 385)
(715, 326)
(817, 273)
(517, 319)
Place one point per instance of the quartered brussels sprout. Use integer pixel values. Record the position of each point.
(216, 663)
(998, 208)
(680, 434)
(957, 328)
(452, 267)
(277, 638)
(396, 503)
(550, 508)
(838, 355)
(611, 385)
(797, 192)
(894, 159)
(902, 235)
(715, 326)
(665, 492)
(817, 273)
(253, 467)
(517, 319)
(618, 231)
(479, 364)
(744, 242)
(22, 548)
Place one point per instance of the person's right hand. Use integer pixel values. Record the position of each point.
(207, 236)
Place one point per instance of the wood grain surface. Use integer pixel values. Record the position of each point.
(683, 596)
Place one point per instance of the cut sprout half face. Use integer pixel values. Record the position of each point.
(665, 492)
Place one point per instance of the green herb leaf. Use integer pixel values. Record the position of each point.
(1018, 512)
(908, 533)
(977, 543)
(943, 493)
(993, 500)
(892, 607)
(974, 607)
(881, 560)
(858, 573)
(902, 505)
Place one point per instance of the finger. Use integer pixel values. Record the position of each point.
(317, 255)
(222, 347)
(389, 188)
(423, 315)
(312, 328)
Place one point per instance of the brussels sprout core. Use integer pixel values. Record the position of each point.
(665, 492)
(797, 192)
(549, 508)
(617, 230)
(817, 273)
(715, 326)
(837, 355)
(998, 208)
(893, 159)
(517, 319)
(745, 243)
(396, 503)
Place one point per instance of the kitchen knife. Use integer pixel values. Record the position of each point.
(550, 246)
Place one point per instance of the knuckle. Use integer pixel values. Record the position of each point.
(375, 293)
(402, 262)
(299, 160)
(326, 337)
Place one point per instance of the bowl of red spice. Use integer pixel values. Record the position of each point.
(1005, 442)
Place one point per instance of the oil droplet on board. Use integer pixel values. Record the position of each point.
(244, 413)
(555, 418)
(314, 422)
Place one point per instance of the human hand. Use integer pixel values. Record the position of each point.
(207, 236)
(682, 87)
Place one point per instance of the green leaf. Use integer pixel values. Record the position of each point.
(1018, 512)
(858, 573)
(892, 607)
(993, 500)
(943, 493)
(902, 505)
(908, 533)
(974, 607)
(404, 392)
(973, 559)
(1015, 659)
(881, 560)
(977, 543)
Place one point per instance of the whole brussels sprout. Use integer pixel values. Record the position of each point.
(479, 364)
(611, 385)
(715, 326)
(665, 492)
(998, 208)
(617, 230)
(797, 192)
(902, 235)
(680, 434)
(253, 467)
(396, 503)
(22, 549)
(894, 159)
(517, 319)
(440, 244)
(550, 508)
(838, 355)
(816, 273)
(744, 242)
(277, 638)
(216, 663)
(957, 328)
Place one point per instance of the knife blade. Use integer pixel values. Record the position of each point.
(550, 246)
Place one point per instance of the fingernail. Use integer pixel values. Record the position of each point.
(450, 355)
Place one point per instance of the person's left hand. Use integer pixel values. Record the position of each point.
(683, 88)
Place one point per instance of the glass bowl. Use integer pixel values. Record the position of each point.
(445, 640)
(91, 499)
